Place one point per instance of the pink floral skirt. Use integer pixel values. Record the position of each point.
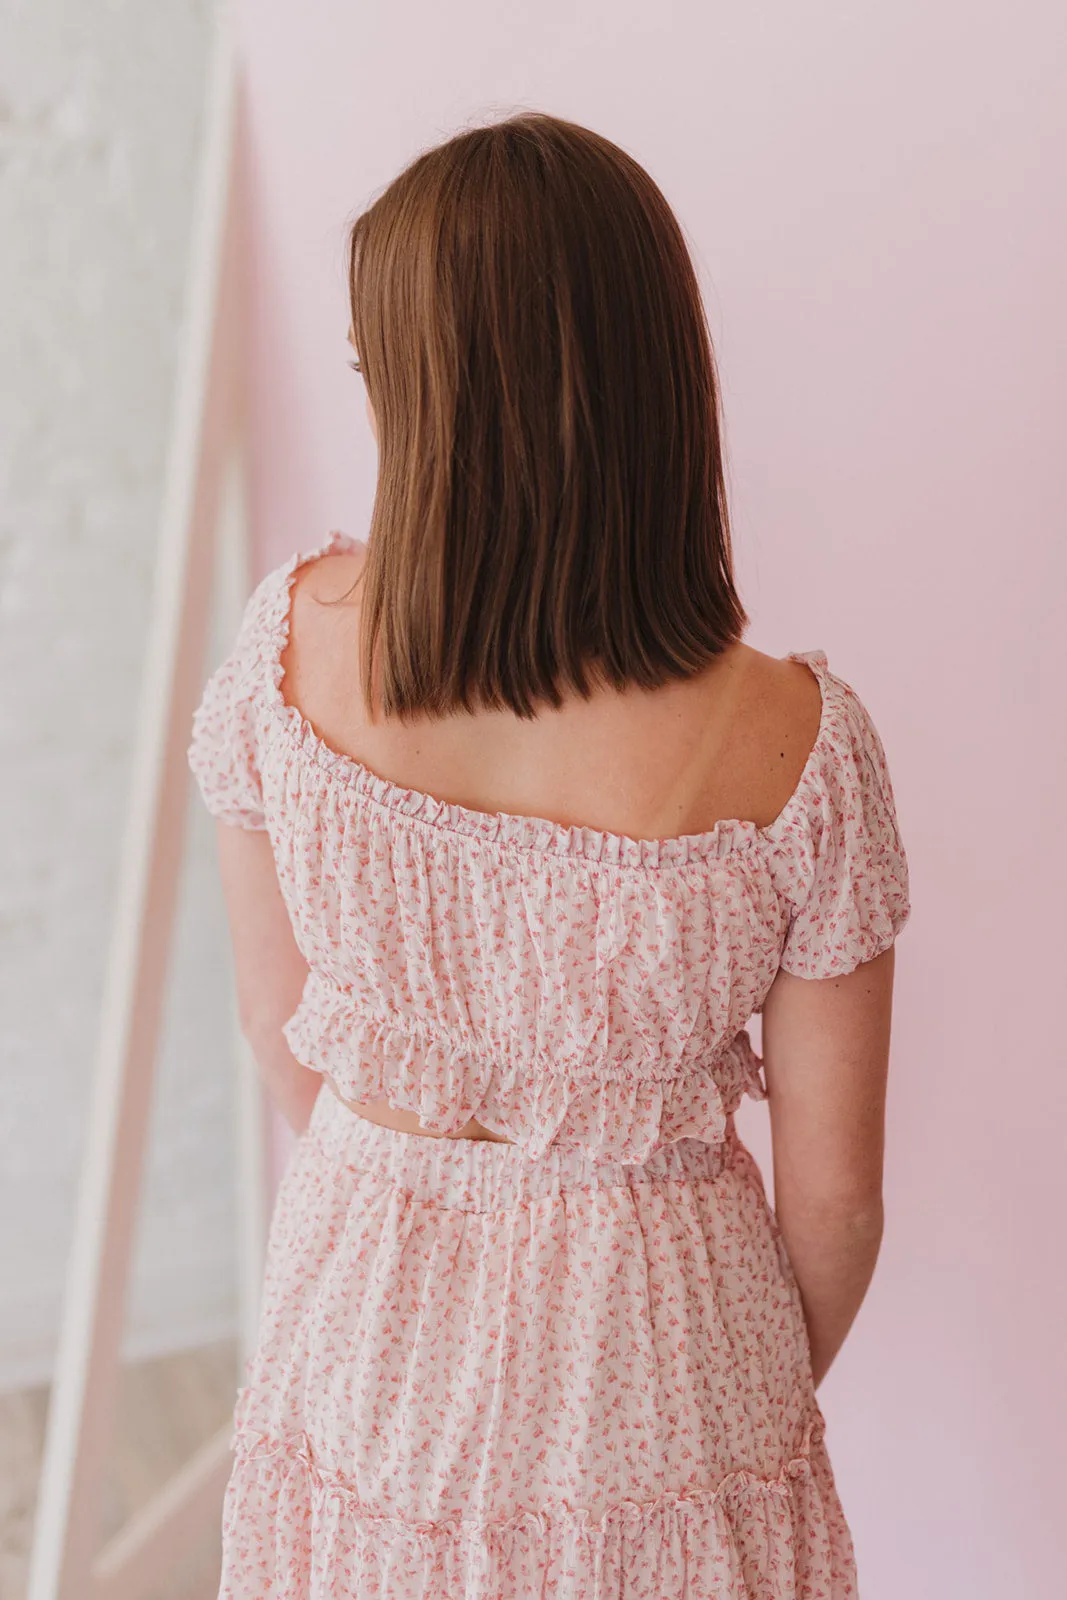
(485, 1377)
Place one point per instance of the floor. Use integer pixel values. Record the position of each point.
(167, 1408)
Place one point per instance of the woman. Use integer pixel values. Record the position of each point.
(530, 1325)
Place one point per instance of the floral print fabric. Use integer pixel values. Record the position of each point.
(574, 1366)
(482, 1377)
(561, 985)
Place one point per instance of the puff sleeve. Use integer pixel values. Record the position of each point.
(223, 754)
(848, 888)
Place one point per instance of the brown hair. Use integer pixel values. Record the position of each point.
(550, 492)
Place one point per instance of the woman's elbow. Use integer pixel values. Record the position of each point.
(261, 1026)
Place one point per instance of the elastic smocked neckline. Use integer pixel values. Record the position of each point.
(512, 829)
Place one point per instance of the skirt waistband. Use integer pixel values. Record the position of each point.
(489, 1175)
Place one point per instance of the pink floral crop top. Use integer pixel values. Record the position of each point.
(563, 986)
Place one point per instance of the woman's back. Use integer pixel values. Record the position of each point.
(554, 982)
(574, 1357)
(731, 742)
(556, 930)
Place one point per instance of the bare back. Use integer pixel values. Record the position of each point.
(730, 743)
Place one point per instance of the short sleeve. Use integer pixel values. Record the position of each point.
(223, 754)
(849, 888)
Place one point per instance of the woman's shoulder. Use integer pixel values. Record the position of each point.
(836, 849)
(328, 572)
(788, 688)
(818, 734)
(778, 719)
(246, 686)
(322, 609)
(323, 573)
(802, 695)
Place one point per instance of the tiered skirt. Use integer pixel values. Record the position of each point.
(485, 1377)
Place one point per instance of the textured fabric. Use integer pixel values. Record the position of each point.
(574, 1366)
(483, 1377)
(561, 985)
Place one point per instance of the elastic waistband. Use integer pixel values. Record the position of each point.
(489, 1175)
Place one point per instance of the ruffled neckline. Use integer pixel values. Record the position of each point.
(514, 830)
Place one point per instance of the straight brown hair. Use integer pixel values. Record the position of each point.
(550, 509)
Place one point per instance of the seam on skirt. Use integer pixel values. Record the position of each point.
(252, 1449)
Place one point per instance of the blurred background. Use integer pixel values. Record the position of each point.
(101, 110)
(873, 197)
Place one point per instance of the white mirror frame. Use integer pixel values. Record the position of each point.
(202, 554)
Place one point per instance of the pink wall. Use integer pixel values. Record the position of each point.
(874, 195)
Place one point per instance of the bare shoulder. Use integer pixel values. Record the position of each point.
(325, 593)
(324, 606)
(329, 578)
(780, 705)
(783, 688)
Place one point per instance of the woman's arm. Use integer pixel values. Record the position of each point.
(826, 1058)
(270, 971)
